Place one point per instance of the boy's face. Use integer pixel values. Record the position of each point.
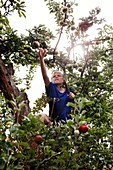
(57, 78)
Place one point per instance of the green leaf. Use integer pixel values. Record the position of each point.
(70, 122)
(18, 167)
(71, 104)
(25, 144)
(51, 141)
(83, 112)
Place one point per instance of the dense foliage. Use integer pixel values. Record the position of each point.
(29, 143)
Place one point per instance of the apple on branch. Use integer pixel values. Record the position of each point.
(36, 44)
(76, 133)
(33, 145)
(64, 9)
(83, 128)
(38, 138)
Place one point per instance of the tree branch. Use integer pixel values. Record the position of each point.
(65, 15)
(48, 159)
(12, 93)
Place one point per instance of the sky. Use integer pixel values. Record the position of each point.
(38, 13)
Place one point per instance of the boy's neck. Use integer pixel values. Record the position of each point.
(60, 88)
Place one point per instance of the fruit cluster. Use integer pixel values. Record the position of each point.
(84, 26)
(37, 140)
(82, 129)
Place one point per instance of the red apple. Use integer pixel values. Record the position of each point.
(33, 145)
(36, 44)
(64, 9)
(62, 23)
(72, 27)
(68, 5)
(97, 42)
(38, 138)
(83, 128)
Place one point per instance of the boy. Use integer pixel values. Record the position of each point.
(58, 109)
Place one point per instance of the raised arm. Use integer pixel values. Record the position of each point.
(43, 67)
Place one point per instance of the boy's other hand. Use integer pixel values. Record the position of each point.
(71, 95)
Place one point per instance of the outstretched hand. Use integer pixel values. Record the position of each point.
(42, 52)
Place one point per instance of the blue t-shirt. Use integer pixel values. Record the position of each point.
(60, 109)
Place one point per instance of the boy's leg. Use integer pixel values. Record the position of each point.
(44, 118)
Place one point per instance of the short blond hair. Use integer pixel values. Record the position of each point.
(57, 71)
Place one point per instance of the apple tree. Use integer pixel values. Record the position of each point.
(85, 142)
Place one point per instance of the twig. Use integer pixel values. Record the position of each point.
(47, 159)
(57, 43)
(65, 15)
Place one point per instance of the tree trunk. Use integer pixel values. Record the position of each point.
(17, 100)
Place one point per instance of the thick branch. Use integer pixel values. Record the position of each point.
(11, 92)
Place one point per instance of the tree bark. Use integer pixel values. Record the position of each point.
(17, 100)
